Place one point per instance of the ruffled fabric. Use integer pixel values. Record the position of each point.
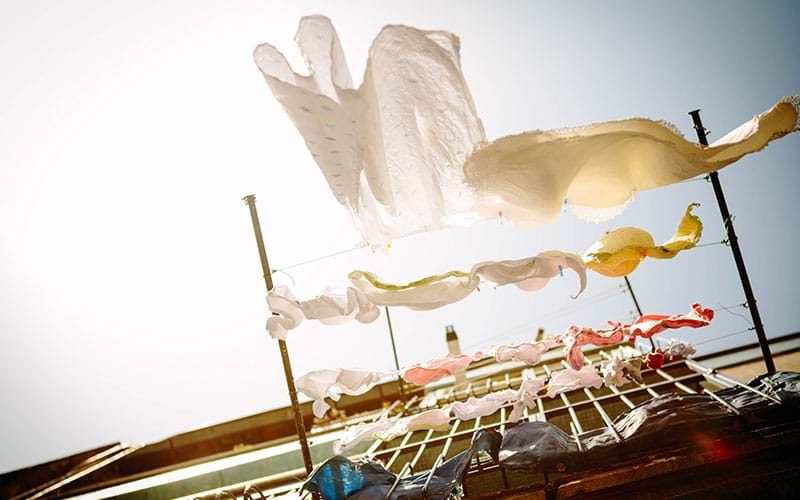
(570, 379)
(386, 429)
(331, 309)
(644, 327)
(526, 352)
(484, 406)
(436, 369)
(321, 384)
(619, 252)
(391, 150)
(529, 274)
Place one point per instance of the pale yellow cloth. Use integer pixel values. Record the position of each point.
(619, 252)
(598, 167)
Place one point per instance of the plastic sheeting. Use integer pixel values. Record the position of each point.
(664, 422)
(339, 478)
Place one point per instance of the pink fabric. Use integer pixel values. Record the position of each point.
(649, 325)
(526, 352)
(569, 379)
(435, 369)
(645, 327)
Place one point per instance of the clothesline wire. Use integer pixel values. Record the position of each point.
(564, 311)
(317, 259)
(737, 314)
(724, 336)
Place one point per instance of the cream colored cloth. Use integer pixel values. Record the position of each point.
(528, 274)
(526, 352)
(619, 252)
(530, 175)
(329, 308)
(355, 434)
(392, 150)
(321, 384)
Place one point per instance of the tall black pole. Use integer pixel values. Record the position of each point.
(394, 351)
(737, 252)
(638, 309)
(250, 200)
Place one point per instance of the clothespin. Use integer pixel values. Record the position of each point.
(500, 214)
(389, 245)
(561, 271)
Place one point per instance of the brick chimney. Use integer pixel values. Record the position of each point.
(453, 347)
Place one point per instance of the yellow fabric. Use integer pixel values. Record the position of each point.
(619, 252)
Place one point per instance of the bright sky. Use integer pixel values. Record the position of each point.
(131, 300)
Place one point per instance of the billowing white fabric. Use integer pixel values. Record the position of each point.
(526, 397)
(406, 151)
(617, 371)
(569, 379)
(481, 407)
(529, 176)
(321, 384)
(430, 419)
(528, 274)
(391, 151)
(527, 352)
(329, 308)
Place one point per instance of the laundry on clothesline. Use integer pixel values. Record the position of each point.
(332, 383)
(330, 308)
(399, 172)
(321, 384)
(484, 406)
(436, 369)
(644, 327)
(616, 254)
(387, 429)
(529, 274)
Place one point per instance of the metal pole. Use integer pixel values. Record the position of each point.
(737, 252)
(394, 351)
(638, 309)
(250, 200)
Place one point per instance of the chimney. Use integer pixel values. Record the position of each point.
(453, 347)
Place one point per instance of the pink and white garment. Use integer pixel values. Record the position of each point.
(651, 324)
(329, 308)
(569, 379)
(481, 407)
(646, 326)
(526, 352)
(321, 384)
(436, 369)
(527, 394)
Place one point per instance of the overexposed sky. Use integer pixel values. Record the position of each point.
(131, 300)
